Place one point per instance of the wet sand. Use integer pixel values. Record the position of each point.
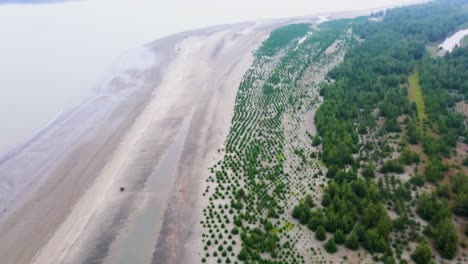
(147, 129)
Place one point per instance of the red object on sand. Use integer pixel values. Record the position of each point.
(122, 189)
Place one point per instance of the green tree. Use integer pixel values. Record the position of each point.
(461, 204)
(431, 209)
(302, 213)
(384, 226)
(413, 133)
(339, 237)
(330, 246)
(388, 260)
(373, 242)
(446, 238)
(316, 141)
(243, 254)
(460, 189)
(368, 171)
(418, 180)
(352, 242)
(433, 171)
(407, 157)
(392, 166)
(422, 254)
(314, 222)
(309, 200)
(320, 233)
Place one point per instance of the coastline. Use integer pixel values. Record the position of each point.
(121, 137)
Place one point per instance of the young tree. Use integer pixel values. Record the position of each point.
(302, 213)
(418, 180)
(461, 204)
(339, 237)
(330, 246)
(316, 141)
(320, 233)
(309, 200)
(413, 133)
(422, 254)
(243, 254)
(352, 241)
(446, 238)
(314, 222)
(368, 171)
(433, 171)
(373, 242)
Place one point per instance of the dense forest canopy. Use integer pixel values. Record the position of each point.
(369, 87)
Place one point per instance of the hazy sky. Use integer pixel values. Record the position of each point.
(51, 55)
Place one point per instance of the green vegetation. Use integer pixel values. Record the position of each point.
(264, 166)
(415, 93)
(460, 193)
(446, 238)
(373, 79)
(432, 50)
(330, 246)
(375, 152)
(422, 254)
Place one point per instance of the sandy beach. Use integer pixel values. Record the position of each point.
(151, 129)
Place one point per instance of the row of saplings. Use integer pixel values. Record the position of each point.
(358, 201)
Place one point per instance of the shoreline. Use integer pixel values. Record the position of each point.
(133, 126)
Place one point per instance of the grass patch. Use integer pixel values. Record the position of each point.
(287, 226)
(432, 49)
(415, 94)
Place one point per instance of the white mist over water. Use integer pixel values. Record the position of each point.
(53, 55)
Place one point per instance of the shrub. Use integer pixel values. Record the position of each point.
(368, 171)
(408, 157)
(392, 166)
(418, 180)
(433, 171)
